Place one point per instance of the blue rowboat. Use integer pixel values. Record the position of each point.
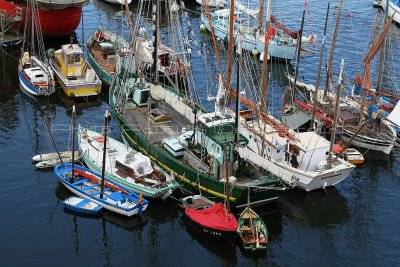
(86, 184)
(82, 205)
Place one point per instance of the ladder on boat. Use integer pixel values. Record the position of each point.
(8, 18)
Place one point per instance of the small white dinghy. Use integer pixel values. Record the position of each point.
(82, 205)
(49, 160)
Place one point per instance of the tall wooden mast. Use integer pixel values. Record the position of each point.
(107, 116)
(321, 55)
(230, 48)
(333, 132)
(264, 98)
(328, 68)
(299, 49)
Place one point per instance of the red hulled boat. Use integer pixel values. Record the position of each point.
(57, 18)
(214, 222)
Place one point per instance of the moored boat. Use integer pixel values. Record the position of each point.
(214, 222)
(107, 52)
(197, 202)
(82, 205)
(49, 13)
(252, 230)
(75, 75)
(125, 165)
(87, 184)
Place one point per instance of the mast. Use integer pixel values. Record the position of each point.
(333, 133)
(107, 116)
(239, 65)
(264, 102)
(46, 120)
(328, 68)
(230, 48)
(321, 55)
(133, 39)
(260, 14)
(227, 180)
(156, 21)
(382, 55)
(367, 84)
(299, 49)
(73, 140)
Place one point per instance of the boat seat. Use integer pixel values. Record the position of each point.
(80, 182)
(90, 187)
(116, 196)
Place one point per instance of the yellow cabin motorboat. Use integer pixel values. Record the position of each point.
(75, 75)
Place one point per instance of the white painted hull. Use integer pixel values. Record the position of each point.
(393, 9)
(307, 181)
(93, 160)
(287, 52)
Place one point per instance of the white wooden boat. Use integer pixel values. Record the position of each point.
(125, 165)
(54, 156)
(34, 72)
(82, 205)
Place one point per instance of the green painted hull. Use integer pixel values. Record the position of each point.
(193, 179)
(104, 76)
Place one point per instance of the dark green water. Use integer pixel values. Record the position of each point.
(354, 224)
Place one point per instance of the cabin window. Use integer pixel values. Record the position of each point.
(39, 75)
(77, 58)
(70, 59)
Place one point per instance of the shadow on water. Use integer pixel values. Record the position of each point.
(224, 251)
(316, 208)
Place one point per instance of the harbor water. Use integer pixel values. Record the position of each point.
(356, 223)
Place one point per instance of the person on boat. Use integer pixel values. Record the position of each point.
(379, 116)
(370, 111)
(294, 161)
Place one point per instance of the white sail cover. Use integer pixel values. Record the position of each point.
(139, 163)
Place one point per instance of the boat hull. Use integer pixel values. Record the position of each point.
(274, 50)
(259, 193)
(369, 143)
(307, 181)
(83, 194)
(228, 237)
(78, 207)
(94, 163)
(50, 22)
(393, 9)
(30, 88)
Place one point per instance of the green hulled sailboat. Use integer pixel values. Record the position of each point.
(179, 135)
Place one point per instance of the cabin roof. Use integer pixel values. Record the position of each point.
(71, 49)
(310, 141)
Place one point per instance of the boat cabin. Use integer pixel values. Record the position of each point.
(72, 61)
(37, 75)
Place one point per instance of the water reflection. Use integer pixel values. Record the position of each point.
(316, 208)
(221, 250)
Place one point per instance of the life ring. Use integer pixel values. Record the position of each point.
(100, 139)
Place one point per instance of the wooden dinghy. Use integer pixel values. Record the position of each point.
(82, 205)
(252, 230)
(87, 184)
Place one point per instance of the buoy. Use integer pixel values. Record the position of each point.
(203, 27)
(254, 52)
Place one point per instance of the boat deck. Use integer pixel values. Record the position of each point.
(140, 120)
(97, 54)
